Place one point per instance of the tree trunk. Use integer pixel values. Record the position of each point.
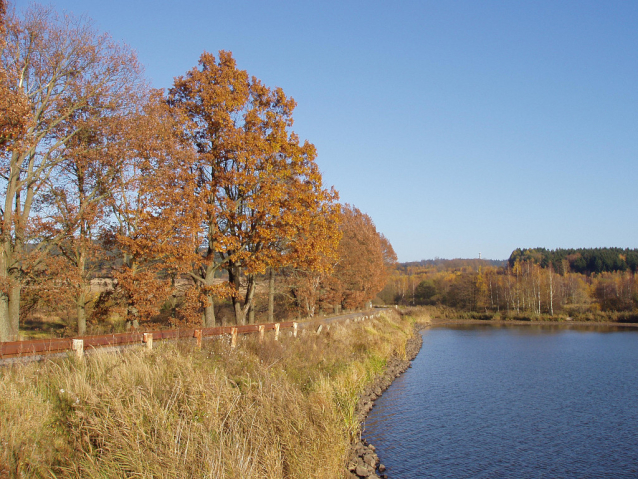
(209, 312)
(551, 292)
(249, 299)
(233, 278)
(85, 285)
(271, 296)
(81, 308)
(251, 315)
(14, 309)
(240, 318)
(5, 324)
(208, 316)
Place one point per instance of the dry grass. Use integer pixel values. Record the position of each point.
(264, 410)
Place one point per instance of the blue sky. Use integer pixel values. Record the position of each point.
(459, 126)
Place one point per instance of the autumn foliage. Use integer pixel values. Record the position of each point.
(366, 259)
(14, 110)
(77, 86)
(257, 188)
(532, 284)
(178, 201)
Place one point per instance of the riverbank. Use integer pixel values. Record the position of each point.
(363, 460)
(268, 409)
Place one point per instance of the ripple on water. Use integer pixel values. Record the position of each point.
(513, 403)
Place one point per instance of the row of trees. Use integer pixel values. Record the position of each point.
(364, 262)
(522, 288)
(103, 175)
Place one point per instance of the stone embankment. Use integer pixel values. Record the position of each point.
(364, 462)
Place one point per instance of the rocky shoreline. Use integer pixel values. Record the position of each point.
(363, 461)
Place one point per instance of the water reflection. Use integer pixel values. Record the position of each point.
(528, 328)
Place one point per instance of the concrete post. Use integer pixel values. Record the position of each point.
(276, 331)
(78, 347)
(294, 329)
(148, 340)
(233, 338)
(261, 333)
(198, 337)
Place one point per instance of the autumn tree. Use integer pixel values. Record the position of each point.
(70, 76)
(153, 229)
(256, 183)
(310, 257)
(96, 160)
(365, 260)
(14, 106)
(305, 230)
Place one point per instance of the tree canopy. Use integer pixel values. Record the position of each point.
(257, 187)
(179, 199)
(73, 81)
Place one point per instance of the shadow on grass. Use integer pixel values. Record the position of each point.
(39, 329)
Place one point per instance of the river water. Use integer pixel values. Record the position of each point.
(484, 401)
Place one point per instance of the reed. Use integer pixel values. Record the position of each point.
(271, 409)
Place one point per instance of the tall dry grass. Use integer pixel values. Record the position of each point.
(277, 409)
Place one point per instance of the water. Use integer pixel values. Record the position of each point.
(514, 402)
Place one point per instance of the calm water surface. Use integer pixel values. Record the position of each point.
(513, 402)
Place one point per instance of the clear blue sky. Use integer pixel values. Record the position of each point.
(459, 126)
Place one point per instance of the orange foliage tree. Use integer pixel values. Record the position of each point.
(310, 258)
(69, 76)
(95, 159)
(365, 261)
(154, 228)
(257, 186)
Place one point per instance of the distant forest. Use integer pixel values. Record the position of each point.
(459, 263)
(582, 283)
(581, 260)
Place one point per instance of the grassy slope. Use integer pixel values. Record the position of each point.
(264, 410)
